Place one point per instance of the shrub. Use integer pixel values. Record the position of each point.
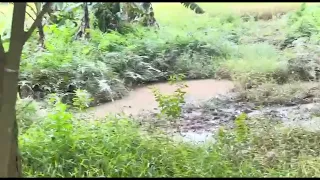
(110, 63)
(27, 113)
(254, 64)
(170, 105)
(116, 147)
(304, 23)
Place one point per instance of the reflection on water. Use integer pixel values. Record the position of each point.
(195, 137)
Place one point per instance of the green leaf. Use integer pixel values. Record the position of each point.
(193, 6)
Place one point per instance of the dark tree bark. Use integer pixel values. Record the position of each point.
(40, 25)
(86, 20)
(10, 166)
(41, 35)
(10, 161)
(85, 24)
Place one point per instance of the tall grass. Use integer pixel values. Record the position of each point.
(116, 147)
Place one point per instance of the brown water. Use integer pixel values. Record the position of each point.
(199, 124)
(142, 99)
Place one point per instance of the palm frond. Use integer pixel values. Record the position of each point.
(193, 6)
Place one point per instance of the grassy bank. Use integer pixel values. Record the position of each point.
(115, 147)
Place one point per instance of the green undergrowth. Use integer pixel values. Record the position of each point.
(249, 52)
(285, 94)
(224, 46)
(279, 51)
(108, 64)
(116, 147)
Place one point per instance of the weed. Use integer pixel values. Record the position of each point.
(286, 94)
(170, 105)
(82, 99)
(254, 64)
(241, 127)
(117, 148)
(27, 110)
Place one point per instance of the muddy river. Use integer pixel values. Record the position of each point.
(142, 99)
(209, 105)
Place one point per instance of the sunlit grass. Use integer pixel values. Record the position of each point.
(174, 13)
(218, 8)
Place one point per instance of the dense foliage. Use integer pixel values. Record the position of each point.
(105, 66)
(119, 61)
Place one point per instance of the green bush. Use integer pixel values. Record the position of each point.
(304, 23)
(110, 63)
(254, 64)
(170, 104)
(112, 148)
(116, 147)
(27, 113)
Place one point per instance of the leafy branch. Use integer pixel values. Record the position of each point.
(193, 6)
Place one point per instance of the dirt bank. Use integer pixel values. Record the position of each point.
(199, 121)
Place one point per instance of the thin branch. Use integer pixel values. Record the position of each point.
(38, 20)
(30, 16)
(38, 7)
(32, 9)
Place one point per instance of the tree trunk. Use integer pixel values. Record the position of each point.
(86, 20)
(10, 165)
(85, 24)
(15, 166)
(2, 59)
(41, 34)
